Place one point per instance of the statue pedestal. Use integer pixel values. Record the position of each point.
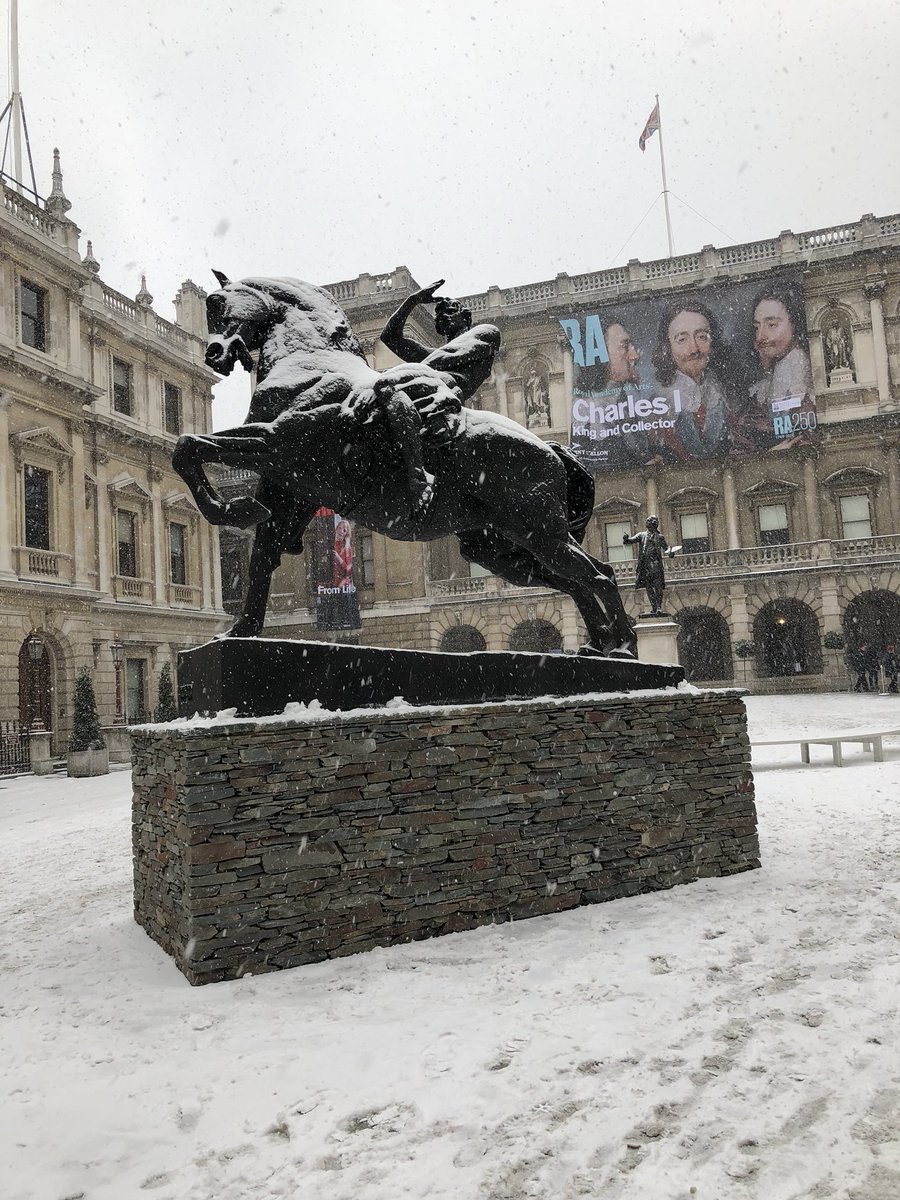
(657, 640)
(840, 377)
(265, 844)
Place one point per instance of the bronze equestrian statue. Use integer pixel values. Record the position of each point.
(395, 450)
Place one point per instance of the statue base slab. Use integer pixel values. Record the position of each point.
(257, 677)
(658, 639)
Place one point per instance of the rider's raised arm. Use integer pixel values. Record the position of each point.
(394, 333)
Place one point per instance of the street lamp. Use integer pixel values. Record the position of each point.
(117, 650)
(35, 646)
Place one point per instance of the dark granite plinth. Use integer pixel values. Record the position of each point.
(259, 676)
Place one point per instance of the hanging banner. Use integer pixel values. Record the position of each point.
(720, 371)
(337, 604)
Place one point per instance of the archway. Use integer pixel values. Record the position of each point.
(35, 682)
(537, 635)
(462, 639)
(873, 619)
(786, 635)
(704, 644)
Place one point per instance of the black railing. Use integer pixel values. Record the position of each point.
(15, 749)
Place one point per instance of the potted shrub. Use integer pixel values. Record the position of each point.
(87, 753)
(166, 708)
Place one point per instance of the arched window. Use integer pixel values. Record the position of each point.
(462, 639)
(704, 645)
(786, 636)
(536, 635)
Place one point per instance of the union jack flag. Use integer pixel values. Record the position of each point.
(650, 128)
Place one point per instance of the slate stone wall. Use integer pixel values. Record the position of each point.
(262, 845)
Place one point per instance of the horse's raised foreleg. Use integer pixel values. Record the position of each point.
(247, 446)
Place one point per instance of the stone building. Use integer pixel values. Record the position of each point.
(785, 551)
(104, 561)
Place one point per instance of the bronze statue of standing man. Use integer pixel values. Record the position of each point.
(652, 546)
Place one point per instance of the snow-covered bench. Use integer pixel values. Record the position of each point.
(870, 740)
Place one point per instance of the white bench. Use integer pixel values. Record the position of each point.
(870, 741)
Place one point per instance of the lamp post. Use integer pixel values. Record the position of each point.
(35, 645)
(118, 652)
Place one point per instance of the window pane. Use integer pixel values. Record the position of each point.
(173, 408)
(855, 519)
(772, 516)
(615, 551)
(694, 525)
(125, 527)
(368, 560)
(177, 563)
(32, 305)
(37, 508)
(121, 386)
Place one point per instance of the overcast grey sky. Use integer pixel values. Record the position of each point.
(484, 142)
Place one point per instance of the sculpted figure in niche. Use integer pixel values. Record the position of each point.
(537, 399)
(836, 344)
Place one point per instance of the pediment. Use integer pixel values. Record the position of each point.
(687, 495)
(180, 502)
(41, 440)
(125, 487)
(616, 504)
(770, 487)
(854, 477)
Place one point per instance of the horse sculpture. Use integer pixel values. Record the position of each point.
(324, 428)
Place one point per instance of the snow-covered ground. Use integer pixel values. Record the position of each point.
(734, 1038)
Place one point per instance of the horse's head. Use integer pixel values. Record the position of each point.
(238, 317)
(241, 316)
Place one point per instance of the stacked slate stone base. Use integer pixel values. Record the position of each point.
(267, 844)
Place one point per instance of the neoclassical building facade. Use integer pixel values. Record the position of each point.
(104, 561)
(785, 555)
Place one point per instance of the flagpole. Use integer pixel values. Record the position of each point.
(662, 164)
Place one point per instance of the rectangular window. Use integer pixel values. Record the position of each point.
(172, 404)
(177, 558)
(37, 508)
(856, 519)
(126, 532)
(616, 550)
(773, 525)
(121, 387)
(367, 548)
(135, 690)
(694, 533)
(33, 303)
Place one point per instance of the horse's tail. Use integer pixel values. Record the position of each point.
(580, 492)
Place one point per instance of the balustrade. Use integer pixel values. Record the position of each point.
(137, 591)
(42, 564)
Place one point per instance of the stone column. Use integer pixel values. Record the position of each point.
(7, 501)
(158, 533)
(651, 495)
(892, 465)
(205, 542)
(570, 637)
(104, 530)
(873, 291)
(216, 567)
(811, 498)
(729, 491)
(81, 565)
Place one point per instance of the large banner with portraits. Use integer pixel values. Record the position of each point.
(723, 370)
(337, 603)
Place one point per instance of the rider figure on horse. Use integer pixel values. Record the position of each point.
(465, 362)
